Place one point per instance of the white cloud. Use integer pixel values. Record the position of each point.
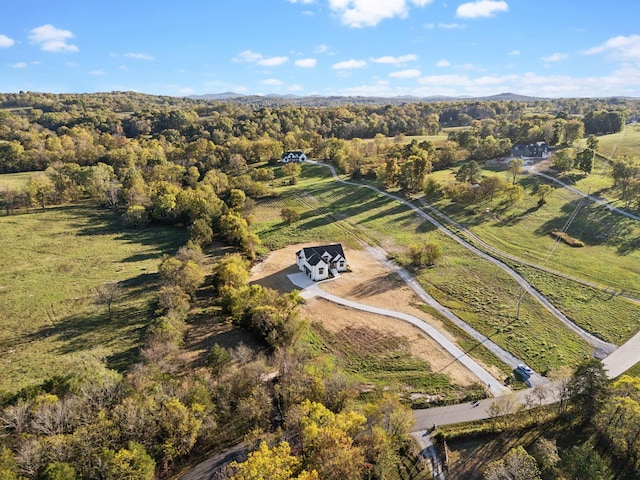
(411, 73)
(368, 13)
(274, 82)
(139, 56)
(52, 39)
(6, 42)
(620, 47)
(254, 57)
(321, 48)
(621, 82)
(349, 64)
(19, 65)
(443, 63)
(445, 26)
(514, 53)
(395, 60)
(295, 88)
(306, 62)
(273, 61)
(247, 56)
(555, 57)
(481, 8)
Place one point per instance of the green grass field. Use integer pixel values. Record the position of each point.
(474, 289)
(15, 181)
(50, 266)
(620, 144)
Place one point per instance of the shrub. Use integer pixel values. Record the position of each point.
(568, 239)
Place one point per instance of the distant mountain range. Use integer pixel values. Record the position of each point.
(317, 100)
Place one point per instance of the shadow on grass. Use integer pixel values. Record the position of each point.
(94, 221)
(122, 334)
(595, 225)
(209, 328)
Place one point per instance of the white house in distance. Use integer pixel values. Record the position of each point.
(293, 156)
(320, 263)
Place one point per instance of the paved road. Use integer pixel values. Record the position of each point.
(602, 348)
(593, 198)
(429, 454)
(467, 412)
(211, 468)
(502, 354)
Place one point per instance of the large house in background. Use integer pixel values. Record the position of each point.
(320, 263)
(533, 150)
(293, 156)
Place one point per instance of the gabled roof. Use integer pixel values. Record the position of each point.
(314, 254)
(295, 153)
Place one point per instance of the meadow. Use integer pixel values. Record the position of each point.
(51, 264)
(14, 181)
(620, 144)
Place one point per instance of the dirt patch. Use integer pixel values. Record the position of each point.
(368, 282)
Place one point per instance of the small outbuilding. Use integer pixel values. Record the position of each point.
(320, 263)
(293, 156)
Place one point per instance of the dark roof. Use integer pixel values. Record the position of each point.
(296, 153)
(314, 254)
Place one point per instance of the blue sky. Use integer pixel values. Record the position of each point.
(547, 48)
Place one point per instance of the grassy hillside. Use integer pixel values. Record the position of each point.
(15, 181)
(611, 255)
(50, 266)
(620, 144)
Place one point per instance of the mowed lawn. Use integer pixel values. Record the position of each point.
(50, 265)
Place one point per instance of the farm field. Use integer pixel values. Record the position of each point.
(51, 264)
(475, 290)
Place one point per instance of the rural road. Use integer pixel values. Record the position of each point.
(602, 348)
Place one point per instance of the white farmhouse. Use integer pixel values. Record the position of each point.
(320, 263)
(293, 156)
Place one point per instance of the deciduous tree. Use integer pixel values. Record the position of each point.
(289, 215)
(516, 465)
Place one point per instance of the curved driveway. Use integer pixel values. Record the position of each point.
(312, 289)
(593, 198)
